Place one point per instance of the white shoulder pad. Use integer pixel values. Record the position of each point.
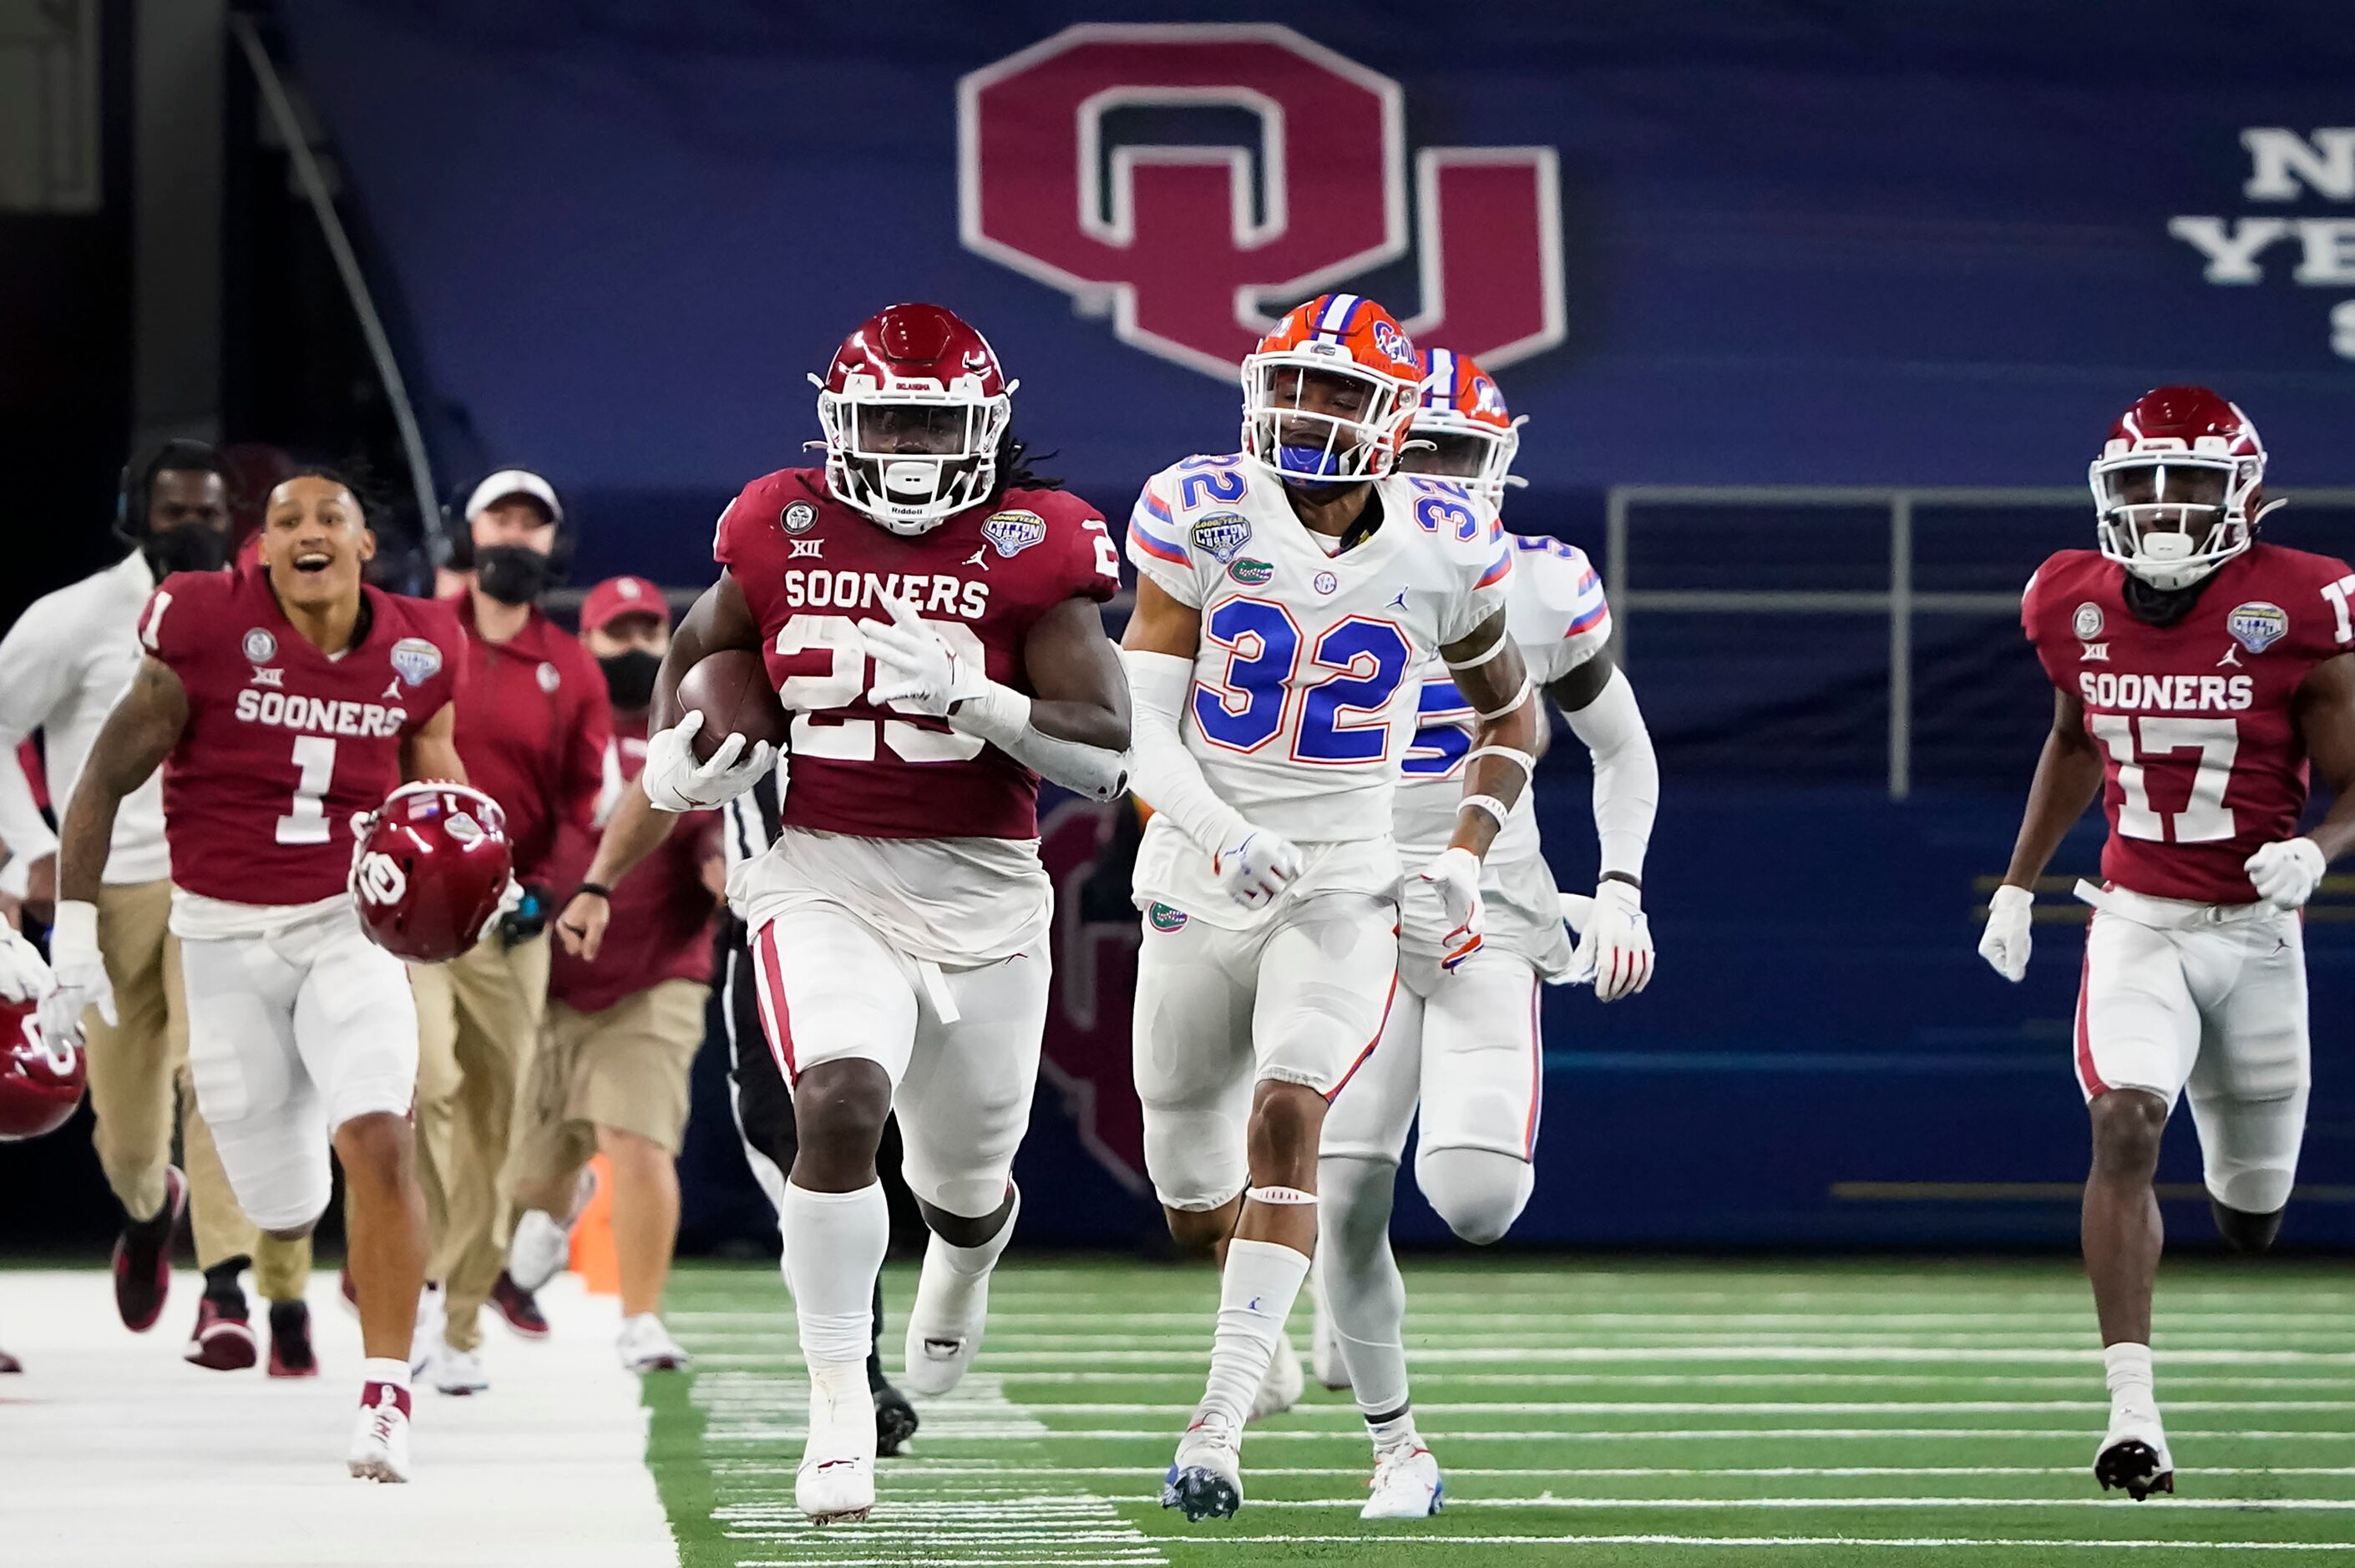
(1556, 610)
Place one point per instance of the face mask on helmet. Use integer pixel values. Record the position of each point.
(911, 460)
(2172, 520)
(512, 574)
(1478, 456)
(630, 677)
(190, 547)
(1321, 423)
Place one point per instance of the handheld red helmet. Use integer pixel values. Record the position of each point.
(41, 1080)
(1327, 394)
(428, 867)
(913, 407)
(1461, 428)
(2174, 484)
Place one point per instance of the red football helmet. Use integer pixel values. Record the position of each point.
(2175, 484)
(1327, 394)
(429, 868)
(913, 407)
(1461, 428)
(40, 1079)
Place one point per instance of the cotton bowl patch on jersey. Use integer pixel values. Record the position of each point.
(414, 659)
(2257, 626)
(1251, 573)
(260, 646)
(1222, 536)
(1011, 532)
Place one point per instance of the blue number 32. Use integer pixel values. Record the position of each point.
(1339, 717)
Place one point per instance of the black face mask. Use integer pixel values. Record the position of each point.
(191, 548)
(630, 678)
(512, 574)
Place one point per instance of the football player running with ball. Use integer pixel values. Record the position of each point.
(282, 701)
(928, 612)
(1291, 596)
(2199, 671)
(1465, 1047)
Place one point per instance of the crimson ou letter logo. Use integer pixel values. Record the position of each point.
(1193, 260)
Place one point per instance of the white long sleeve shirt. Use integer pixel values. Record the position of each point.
(62, 667)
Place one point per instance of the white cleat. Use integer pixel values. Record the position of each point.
(432, 1320)
(944, 1325)
(453, 1370)
(646, 1346)
(541, 1247)
(380, 1441)
(1281, 1388)
(1205, 1478)
(1406, 1484)
(2134, 1457)
(836, 1483)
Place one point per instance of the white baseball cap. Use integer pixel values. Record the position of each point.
(513, 481)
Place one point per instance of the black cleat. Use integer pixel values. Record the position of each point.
(2134, 1467)
(895, 1420)
(1201, 1492)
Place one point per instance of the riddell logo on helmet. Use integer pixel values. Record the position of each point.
(1187, 248)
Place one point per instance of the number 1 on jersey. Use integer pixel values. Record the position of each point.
(307, 821)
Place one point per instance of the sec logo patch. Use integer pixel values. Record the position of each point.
(1326, 582)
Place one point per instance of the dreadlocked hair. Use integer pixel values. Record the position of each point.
(1013, 469)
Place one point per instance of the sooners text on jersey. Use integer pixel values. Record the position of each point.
(812, 569)
(2200, 751)
(283, 745)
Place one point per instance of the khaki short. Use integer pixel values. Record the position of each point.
(626, 1067)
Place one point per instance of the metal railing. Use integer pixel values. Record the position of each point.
(1901, 602)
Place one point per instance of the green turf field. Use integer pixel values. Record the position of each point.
(1598, 1414)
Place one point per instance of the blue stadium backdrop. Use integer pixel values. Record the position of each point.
(1844, 244)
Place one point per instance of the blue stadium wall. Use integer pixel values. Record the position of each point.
(1834, 244)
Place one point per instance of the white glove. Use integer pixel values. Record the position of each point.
(675, 781)
(915, 668)
(1254, 866)
(2287, 873)
(1614, 943)
(1454, 875)
(2004, 944)
(77, 970)
(22, 975)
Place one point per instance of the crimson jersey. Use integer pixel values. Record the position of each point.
(282, 744)
(812, 569)
(2201, 755)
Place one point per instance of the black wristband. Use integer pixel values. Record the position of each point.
(1629, 877)
(597, 888)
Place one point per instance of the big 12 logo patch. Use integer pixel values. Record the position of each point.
(1190, 257)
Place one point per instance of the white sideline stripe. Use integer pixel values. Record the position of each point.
(2173, 1322)
(1404, 1539)
(1689, 1435)
(118, 1452)
(1729, 1407)
(1192, 1377)
(2173, 1504)
(1192, 1356)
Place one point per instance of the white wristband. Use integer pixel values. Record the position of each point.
(1519, 698)
(1528, 764)
(74, 927)
(1488, 803)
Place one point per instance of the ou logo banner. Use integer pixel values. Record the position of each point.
(1192, 259)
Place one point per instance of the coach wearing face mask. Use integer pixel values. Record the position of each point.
(533, 723)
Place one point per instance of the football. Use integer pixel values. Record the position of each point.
(731, 689)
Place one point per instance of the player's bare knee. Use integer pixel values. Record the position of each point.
(1286, 1120)
(839, 1110)
(2127, 1127)
(2243, 1232)
(377, 1148)
(1199, 1231)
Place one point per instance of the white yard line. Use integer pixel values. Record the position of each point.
(2172, 1504)
(1165, 1434)
(1868, 1542)
(1729, 1407)
(117, 1452)
(957, 1470)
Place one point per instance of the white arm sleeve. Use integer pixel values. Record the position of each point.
(1626, 773)
(33, 675)
(1167, 778)
(1001, 715)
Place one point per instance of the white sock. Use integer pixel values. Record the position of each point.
(1255, 1296)
(1363, 1292)
(953, 1274)
(2129, 1374)
(1390, 1436)
(834, 1249)
(391, 1370)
